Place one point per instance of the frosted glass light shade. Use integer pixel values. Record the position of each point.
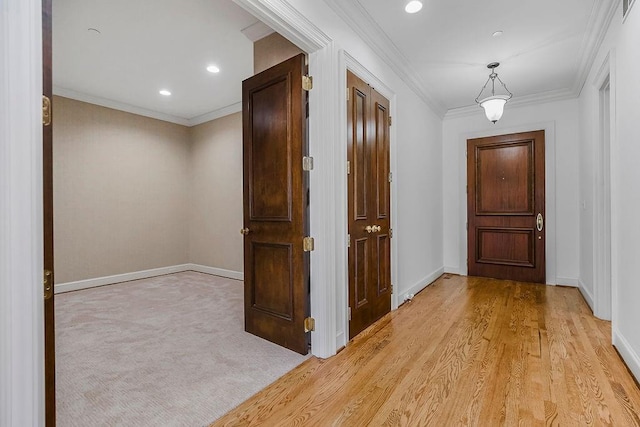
(494, 107)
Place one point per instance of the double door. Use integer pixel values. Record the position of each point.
(369, 195)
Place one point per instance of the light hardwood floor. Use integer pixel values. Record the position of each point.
(465, 351)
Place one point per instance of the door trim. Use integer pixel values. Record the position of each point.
(21, 217)
(550, 196)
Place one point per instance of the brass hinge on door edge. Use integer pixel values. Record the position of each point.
(308, 244)
(46, 110)
(47, 282)
(307, 163)
(309, 324)
(390, 120)
(307, 83)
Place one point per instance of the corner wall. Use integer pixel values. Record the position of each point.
(120, 203)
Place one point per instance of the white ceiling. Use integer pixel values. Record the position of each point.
(145, 46)
(441, 51)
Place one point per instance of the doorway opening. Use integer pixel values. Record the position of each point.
(122, 65)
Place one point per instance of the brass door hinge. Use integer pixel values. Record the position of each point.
(307, 83)
(348, 240)
(391, 233)
(46, 110)
(390, 176)
(307, 163)
(390, 120)
(349, 313)
(348, 94)
(391, 288)
(308, 244)
(309, 324)
(47, 282)
(348, 167)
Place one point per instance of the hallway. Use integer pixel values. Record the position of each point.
(465, 351)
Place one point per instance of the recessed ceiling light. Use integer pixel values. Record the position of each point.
(498, 33)
(413, 6)
(164, 92)
(213, 69)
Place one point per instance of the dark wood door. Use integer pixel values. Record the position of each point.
(47, 160)
(369, 205)
(275, 205)
(505, 200)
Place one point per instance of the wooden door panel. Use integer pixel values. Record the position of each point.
(275, 205)
(505, 195)
(361, 155)
(383, 252)
(504, 179)
(369, 205)
(361, 272)
(272, 278)
(506, 246)
(381, 126)
(270, 180)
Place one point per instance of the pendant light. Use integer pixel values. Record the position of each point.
(493, 104)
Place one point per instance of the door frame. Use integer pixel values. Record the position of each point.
(21, 216)
(550, 194)
(604, 298)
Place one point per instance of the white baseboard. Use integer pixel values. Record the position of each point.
(230, 274)
(567, 281)
(452, 270)
(421, 284)
(629, 356)
(145, 274)
(588, 297)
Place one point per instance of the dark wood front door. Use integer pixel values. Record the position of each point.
(369, 205)
(47, 166)
(276, 268)
(505, 200)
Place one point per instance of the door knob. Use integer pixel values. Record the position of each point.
(540, 222)
(244, 231)
(369, 229)
(377, 228)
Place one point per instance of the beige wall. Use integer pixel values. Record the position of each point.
(216, 194)
(120, 203)
(272, 50)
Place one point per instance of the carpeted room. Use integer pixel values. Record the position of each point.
(148, 258)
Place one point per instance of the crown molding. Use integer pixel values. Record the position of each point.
(116, 105)
(221, 112)
(257, 31)
(367, 28)
(288, 21)
(601, 16)
(521, 101)
(127, 108)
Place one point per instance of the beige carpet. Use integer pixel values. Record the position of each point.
(166, 351)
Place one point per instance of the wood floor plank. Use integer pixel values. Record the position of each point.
(466, 351)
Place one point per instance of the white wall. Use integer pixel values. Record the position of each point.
(621, 46)
(560, 119)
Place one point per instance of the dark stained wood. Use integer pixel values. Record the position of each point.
(369, 205)
(505, 193)
(466, 351)
(275, 205)
(47, 159)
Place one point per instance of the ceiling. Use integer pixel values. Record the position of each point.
(441, 52)
(146, 46)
